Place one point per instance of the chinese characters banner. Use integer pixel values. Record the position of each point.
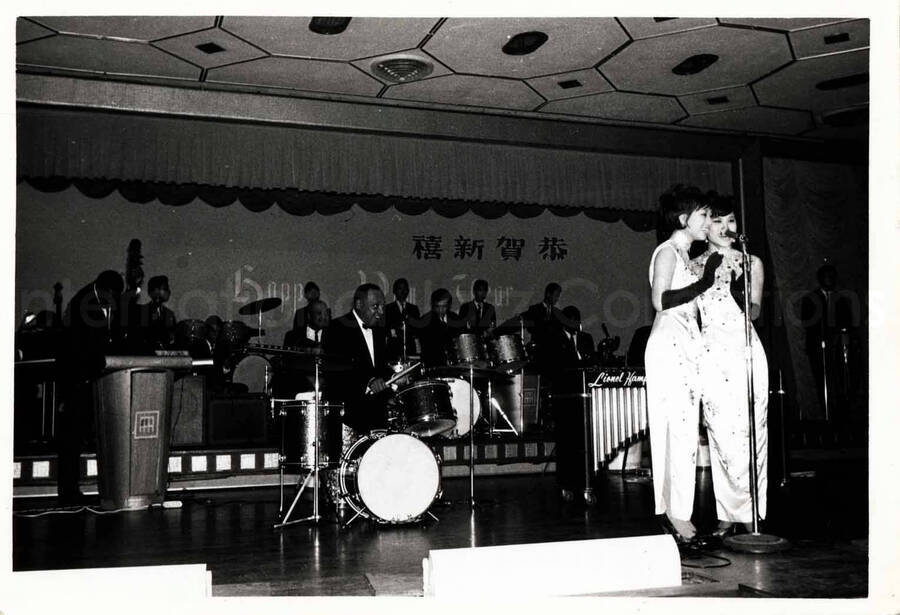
(218, 259)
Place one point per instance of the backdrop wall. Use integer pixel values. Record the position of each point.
(218, 259)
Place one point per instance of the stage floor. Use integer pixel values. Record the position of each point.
(231, 532)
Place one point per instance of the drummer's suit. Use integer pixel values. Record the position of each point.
(344, 338)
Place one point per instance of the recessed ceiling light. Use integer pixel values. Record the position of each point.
(843, 82)
(661, 19)
(696, 64)
(841, 37)
(402, 69)
(717, 100)
(329, 25)
(210, 48)
(524, 43)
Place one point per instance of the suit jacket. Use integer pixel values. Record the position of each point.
(436, 337)
(543, 326)
(824, 320)
(89, 334)
(469, 315)
(393, 321)
(344, 338)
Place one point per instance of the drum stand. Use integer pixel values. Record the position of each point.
(492, 404)
(472, 436)
(313, 473)
(589, 497)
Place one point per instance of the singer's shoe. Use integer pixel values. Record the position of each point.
(668, 528)
(724, 530)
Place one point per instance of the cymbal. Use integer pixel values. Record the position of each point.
(306, 363)
(260, 306)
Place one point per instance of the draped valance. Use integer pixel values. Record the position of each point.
(130, 147)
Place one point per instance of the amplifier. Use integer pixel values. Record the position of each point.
(237, 419)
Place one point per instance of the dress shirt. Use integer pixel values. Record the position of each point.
(367, 334)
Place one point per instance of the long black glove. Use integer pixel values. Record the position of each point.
(737, 289)
(672, 298)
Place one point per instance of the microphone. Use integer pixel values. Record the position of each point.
(736, 236)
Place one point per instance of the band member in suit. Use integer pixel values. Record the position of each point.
(544, 321)
(570, 348)
(301, 315)
(159, 321)
(358, 337)
(437, 329)
(90, 333)
(317, 320)
(478, 315)
(398, 313)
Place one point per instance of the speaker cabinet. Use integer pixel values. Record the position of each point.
(237, 419)
(189, 411)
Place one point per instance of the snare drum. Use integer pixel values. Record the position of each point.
(467, 349)
(255, 372)
(508, 353)
(390, 478)
(459, 399)
(427, 407)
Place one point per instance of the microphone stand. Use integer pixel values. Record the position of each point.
(754, 542)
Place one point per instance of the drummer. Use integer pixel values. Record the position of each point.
(437, 328)
(310, 336)
(358, 339)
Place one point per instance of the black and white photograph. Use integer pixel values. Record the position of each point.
(472, 309)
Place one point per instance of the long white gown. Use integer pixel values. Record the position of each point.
(723, 377)
(673, 397)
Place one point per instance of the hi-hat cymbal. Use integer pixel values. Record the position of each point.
(260, 306)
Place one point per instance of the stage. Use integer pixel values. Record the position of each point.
(230, 530)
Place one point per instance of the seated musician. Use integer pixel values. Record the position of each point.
(317, 319)
(397, 313)
(478, 315)
(301, 315)
(437, 328)
(357, 339)
(569, 348)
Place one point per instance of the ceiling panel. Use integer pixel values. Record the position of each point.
(475, 46)
(103, 56)
(469, 90)
(814, 83)
(714, 101)
(599, 69)
(620, 106)
(569, 85)
(777, 23)
(755, 119)
(306, 75)
(844, 36)
(28, 31)
(135, 28)
(210, 48)
(743, 55)
(645, 27)
(364, 37)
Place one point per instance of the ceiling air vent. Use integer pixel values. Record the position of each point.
(402, 69)
(847, 117)
(843, 82)
(695, 64)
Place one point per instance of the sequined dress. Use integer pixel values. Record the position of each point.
(673, 399)
(723, 377)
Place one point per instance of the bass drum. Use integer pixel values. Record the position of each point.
(459, 399)
(390, 478)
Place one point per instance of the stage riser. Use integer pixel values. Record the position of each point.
(520, 457)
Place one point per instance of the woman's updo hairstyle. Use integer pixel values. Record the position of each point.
(677, 200)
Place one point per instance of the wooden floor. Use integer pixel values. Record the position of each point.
(231, 531)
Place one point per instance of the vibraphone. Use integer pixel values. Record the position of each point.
(618, 411)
